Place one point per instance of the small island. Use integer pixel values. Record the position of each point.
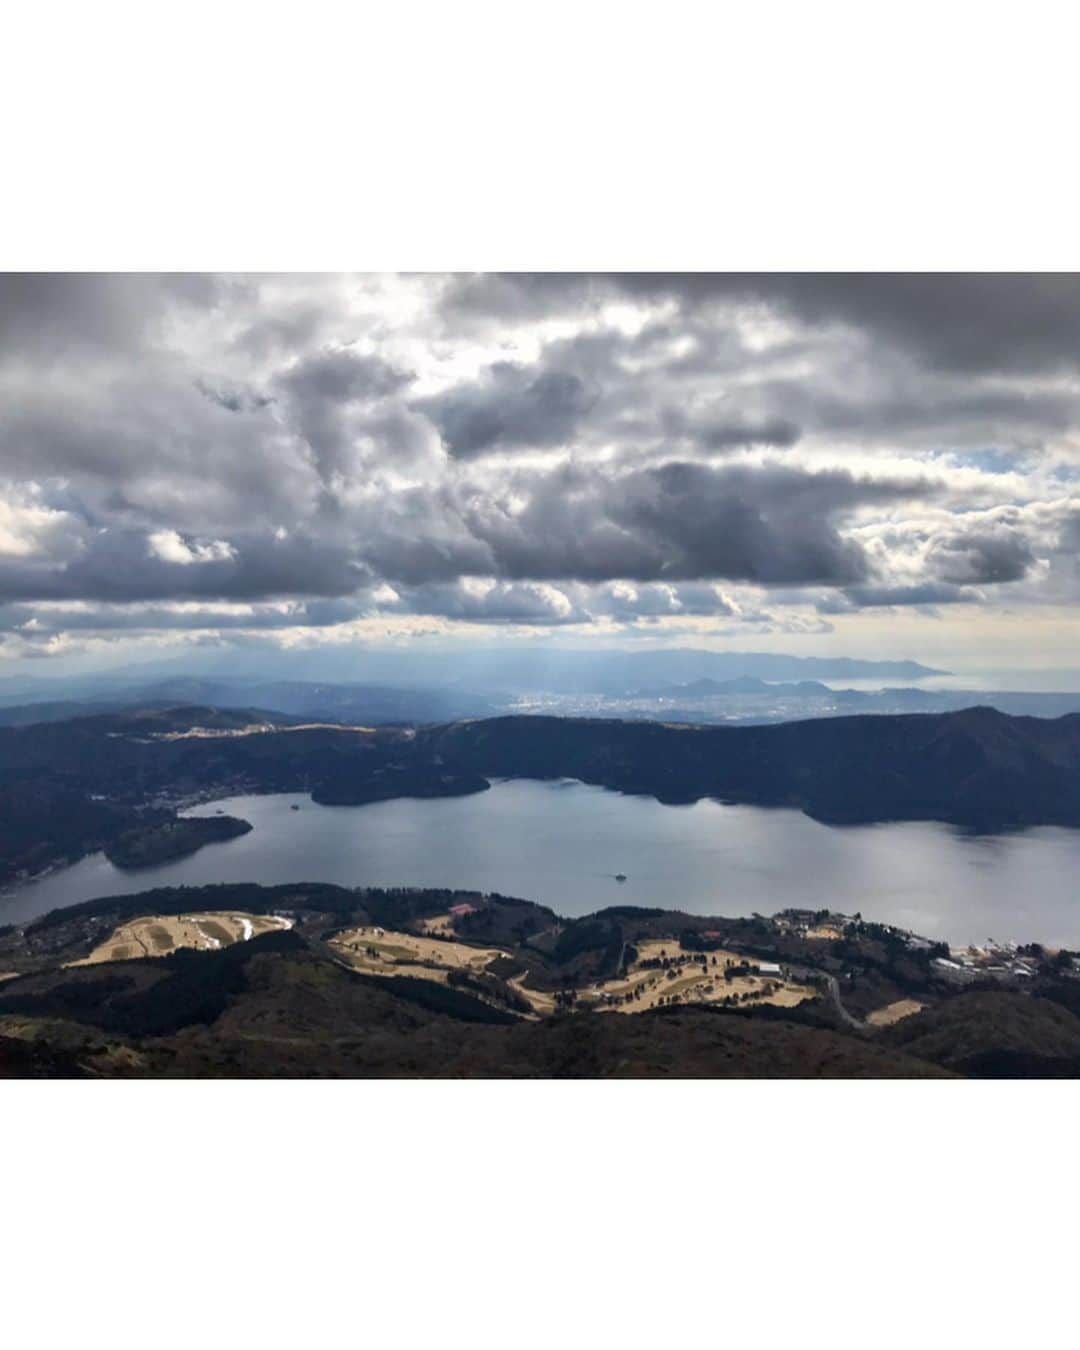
(165, 841)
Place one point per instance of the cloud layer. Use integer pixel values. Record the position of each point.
(650, 453)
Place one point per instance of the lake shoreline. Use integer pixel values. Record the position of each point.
(561, 843)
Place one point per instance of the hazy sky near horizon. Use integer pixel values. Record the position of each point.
(865, 465)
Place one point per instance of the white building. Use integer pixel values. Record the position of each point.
(952, 970)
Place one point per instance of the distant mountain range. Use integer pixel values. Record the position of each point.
(748, 699)
(741, 684)
(466, 673)
(742, 699)
(370, 704)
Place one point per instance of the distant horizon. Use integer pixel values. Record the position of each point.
(332, 666)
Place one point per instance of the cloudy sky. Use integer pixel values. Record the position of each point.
(867, 465)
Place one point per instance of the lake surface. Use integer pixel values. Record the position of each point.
(561, 843)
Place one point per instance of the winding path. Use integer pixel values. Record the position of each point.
(847, 1018)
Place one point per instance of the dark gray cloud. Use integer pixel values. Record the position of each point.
(947, 362)
(926, 594)
(122, 566)
(342, 376)
(233, 399)
(965, 321)
(324, 391)
(511, 407)
(981, 556)
(770, 525)
(712, 431)
(47, 316)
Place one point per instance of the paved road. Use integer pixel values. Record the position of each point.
(845, 1017)
(832, 988)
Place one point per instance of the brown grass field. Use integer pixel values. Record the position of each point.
(692, 983)
(383, 951)
(429, 955)
(894, 1012)
(386, 952)
(441, 924)
(159, 935)
(379, 951)
(543, 1004)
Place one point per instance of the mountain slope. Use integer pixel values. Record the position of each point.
(978, 768)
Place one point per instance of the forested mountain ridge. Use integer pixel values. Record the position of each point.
(67, 788)
(978, 767)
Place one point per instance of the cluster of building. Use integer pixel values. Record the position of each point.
(810, 923)
(995, 961)
(828, 924)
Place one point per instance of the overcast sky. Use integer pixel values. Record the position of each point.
(866, 465)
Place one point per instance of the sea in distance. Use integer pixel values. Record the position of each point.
(562, 844)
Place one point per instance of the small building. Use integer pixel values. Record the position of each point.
(952, 970)
(459, 911)
(770, 968)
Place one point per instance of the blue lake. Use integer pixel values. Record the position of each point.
(561, 844)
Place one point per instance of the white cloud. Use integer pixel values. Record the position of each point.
(170, 547)
(29, 529)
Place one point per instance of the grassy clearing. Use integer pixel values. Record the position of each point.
(158, 935)
(380, 951)
(647, 987)
(161, 938)
(379, 948)
(684, 986)
(894, 1012)
(442, 925)
(653, 949)
(543, 1004)
(390, 951)
(221, 935)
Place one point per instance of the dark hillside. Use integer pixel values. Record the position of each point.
(994, 1035)
(977, 768)
(265, 1010)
